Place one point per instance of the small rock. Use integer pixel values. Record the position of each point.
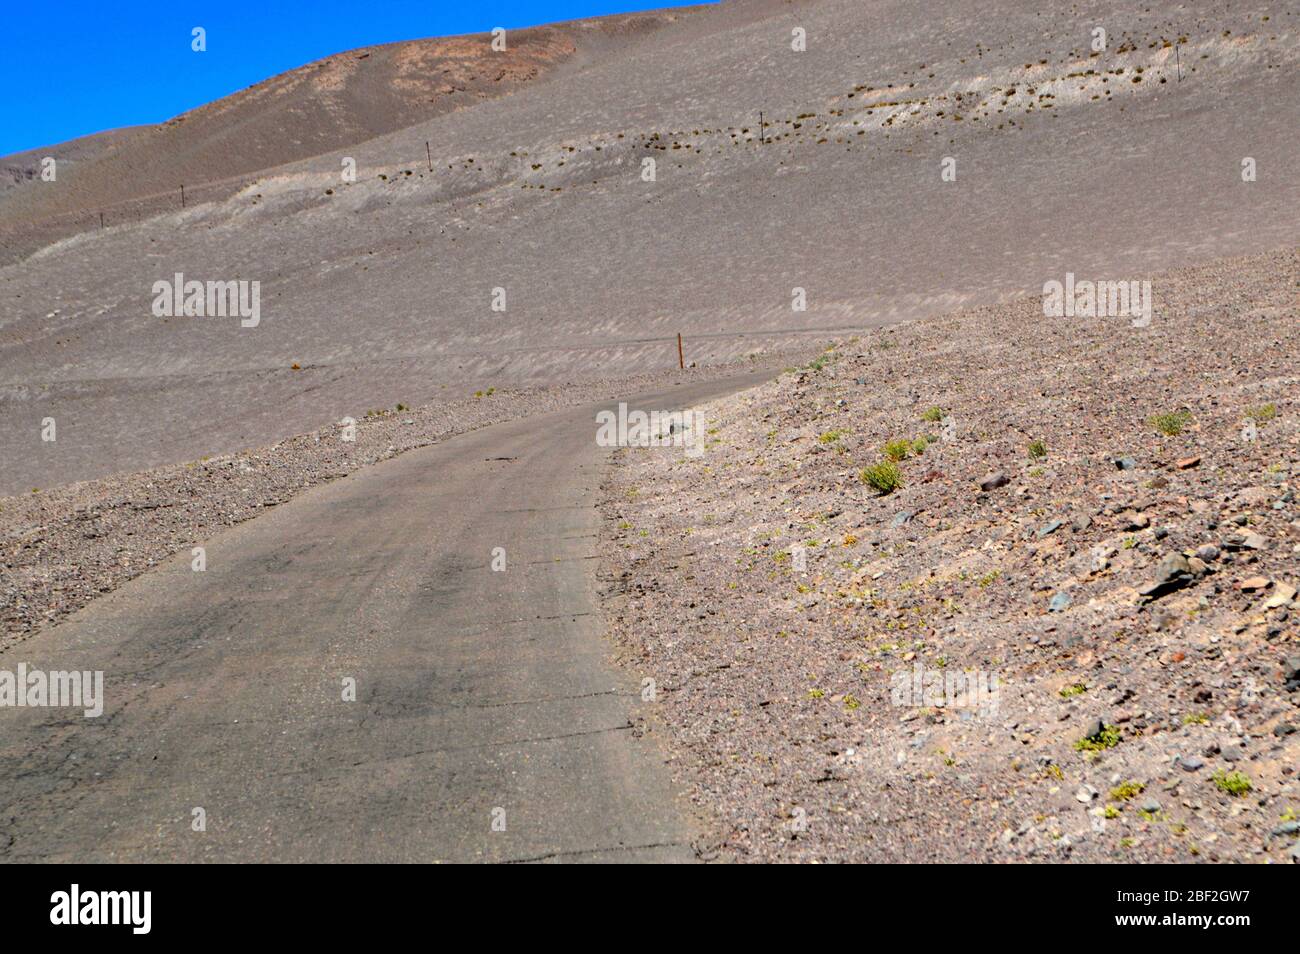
(1283, 593)
(1187, 462)
(1254, 583)
(994, 481)
(1059, 602)
(1125, 463)
(1193, 763)
(1207, 552)
(1085, 794)
(1173, 573)
(1134, 521)
(1150, 805)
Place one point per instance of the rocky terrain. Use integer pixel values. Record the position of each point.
(1062, 624)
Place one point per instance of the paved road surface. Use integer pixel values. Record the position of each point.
(476, 690)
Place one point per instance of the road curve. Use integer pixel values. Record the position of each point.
(480, 695)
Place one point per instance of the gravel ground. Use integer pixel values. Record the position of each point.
(1131, 591)
(63, 547)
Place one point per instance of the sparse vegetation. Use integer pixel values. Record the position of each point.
(1126, 790)
(1107, 738)
(884, 477)
(897, 449)
(1262, 413)
(1235, 784)
(1037, 449)
(934, 414)
(1172, 424)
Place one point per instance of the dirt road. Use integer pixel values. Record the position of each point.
(482, 696)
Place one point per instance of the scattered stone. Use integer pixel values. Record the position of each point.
(1125, 463)
(994, 481)
(1248, 541)
(1193, 763)
(1254, 583)
(1060, 601)
(1173, 573)
(1134, 521)
(1283, 593)
(1186, 463)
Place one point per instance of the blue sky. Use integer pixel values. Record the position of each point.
(79, 67)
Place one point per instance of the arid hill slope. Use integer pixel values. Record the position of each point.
(1105, 164)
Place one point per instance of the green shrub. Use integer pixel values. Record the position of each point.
(884, 477)
(1234, 783)
(1037, 449)
(1107, 738)
(1172, 424)
(897, 449)
(933, 414)
(1126, 790)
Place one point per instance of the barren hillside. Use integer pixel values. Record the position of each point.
(1091, 527)
(382, 290)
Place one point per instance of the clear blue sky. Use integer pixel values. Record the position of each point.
(78, 67)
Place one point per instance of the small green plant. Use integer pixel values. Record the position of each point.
(1110, 812)
(1195, 718)
(816, 693)
(884, 477)
(1077, 689)
(1037, 449)
(1107, 738)
(897, 449)
(1235, 784)
(1126, 790)
(1262, 413)
(1171, 424)
(851, 702)
(830, 437)
(932, 414)
(919, 445)
(987, 579)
